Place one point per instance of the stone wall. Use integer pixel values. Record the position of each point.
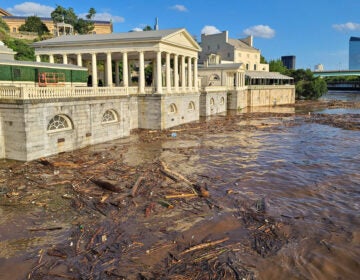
(212, 103)
(26, 134)
(237, 99)
(270, 95)
(160, 111)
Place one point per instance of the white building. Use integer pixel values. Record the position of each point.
(230, 50)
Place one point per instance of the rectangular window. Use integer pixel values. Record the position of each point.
(14, 29)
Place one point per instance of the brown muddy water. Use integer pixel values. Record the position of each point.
(305, 173)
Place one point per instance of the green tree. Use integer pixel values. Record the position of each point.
(147, 28)
(81, 26)
(278, 66)
(91, 14)
(22, 48)
(34, 24)
(307, 86)
(3, 25)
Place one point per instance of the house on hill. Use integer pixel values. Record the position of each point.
(14, 22)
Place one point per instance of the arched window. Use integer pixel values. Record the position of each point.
(214, 77)
(110, 116)
(59, 123)
(172, 108)
(191, 106)
(212, 102)
(222, 100)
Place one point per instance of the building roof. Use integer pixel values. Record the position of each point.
(125, 36)
(266, 75)
(352, 39)
(141, 36)
(238, 44)
(4, 13)
(221, 66)
(41, 64)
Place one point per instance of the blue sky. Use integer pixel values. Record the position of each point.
(315, 31)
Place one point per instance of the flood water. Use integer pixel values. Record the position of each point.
(308, 175)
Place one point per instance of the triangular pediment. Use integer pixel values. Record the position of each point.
(182, 38)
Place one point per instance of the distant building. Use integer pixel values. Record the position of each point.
(227, 50)
(14, 22)
(289, 61)
(319, 68)
(354, 53)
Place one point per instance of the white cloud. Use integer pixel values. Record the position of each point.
(30, 9)
(105, 16)
(209, 29)
(137, 29)
(349, 26)
(262, 31)
(179, 8)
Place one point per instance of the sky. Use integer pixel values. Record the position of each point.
(315, 31)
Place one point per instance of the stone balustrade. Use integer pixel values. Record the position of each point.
(36, 93)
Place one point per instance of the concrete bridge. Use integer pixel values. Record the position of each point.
(336, 73)
(341, 84)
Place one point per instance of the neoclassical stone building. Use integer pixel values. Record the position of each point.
(223, 49)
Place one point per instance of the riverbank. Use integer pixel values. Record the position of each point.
(150, 207)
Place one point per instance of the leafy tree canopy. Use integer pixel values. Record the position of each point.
(147, 28)
(81, 26)
(278, 66)
(34, 24)
(22, 48)
(3, 25)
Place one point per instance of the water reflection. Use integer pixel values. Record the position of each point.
(342, 95)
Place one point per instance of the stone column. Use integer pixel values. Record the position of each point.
(51, 58)
(236, 79)
(158, 73)
(141, 73)
(168, 70)
(38, 58)
(79, 59)
(65, 58)
(117, 78)
(125, 70)
(189, 73)
(176, 72)
(109, 81)
(94, 70)
(196, 84)
(183, 76)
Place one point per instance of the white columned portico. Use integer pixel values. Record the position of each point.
(189, 73)
(196, 84)
(51, 58)
(176, 72)
(125, 70)
(117, 78)
(94, 69)
(142, 72)
(108, 70)
(168, 70)
(79, 59)
(38, 58)
(65, 58)
(158, 73)
(183, 76)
